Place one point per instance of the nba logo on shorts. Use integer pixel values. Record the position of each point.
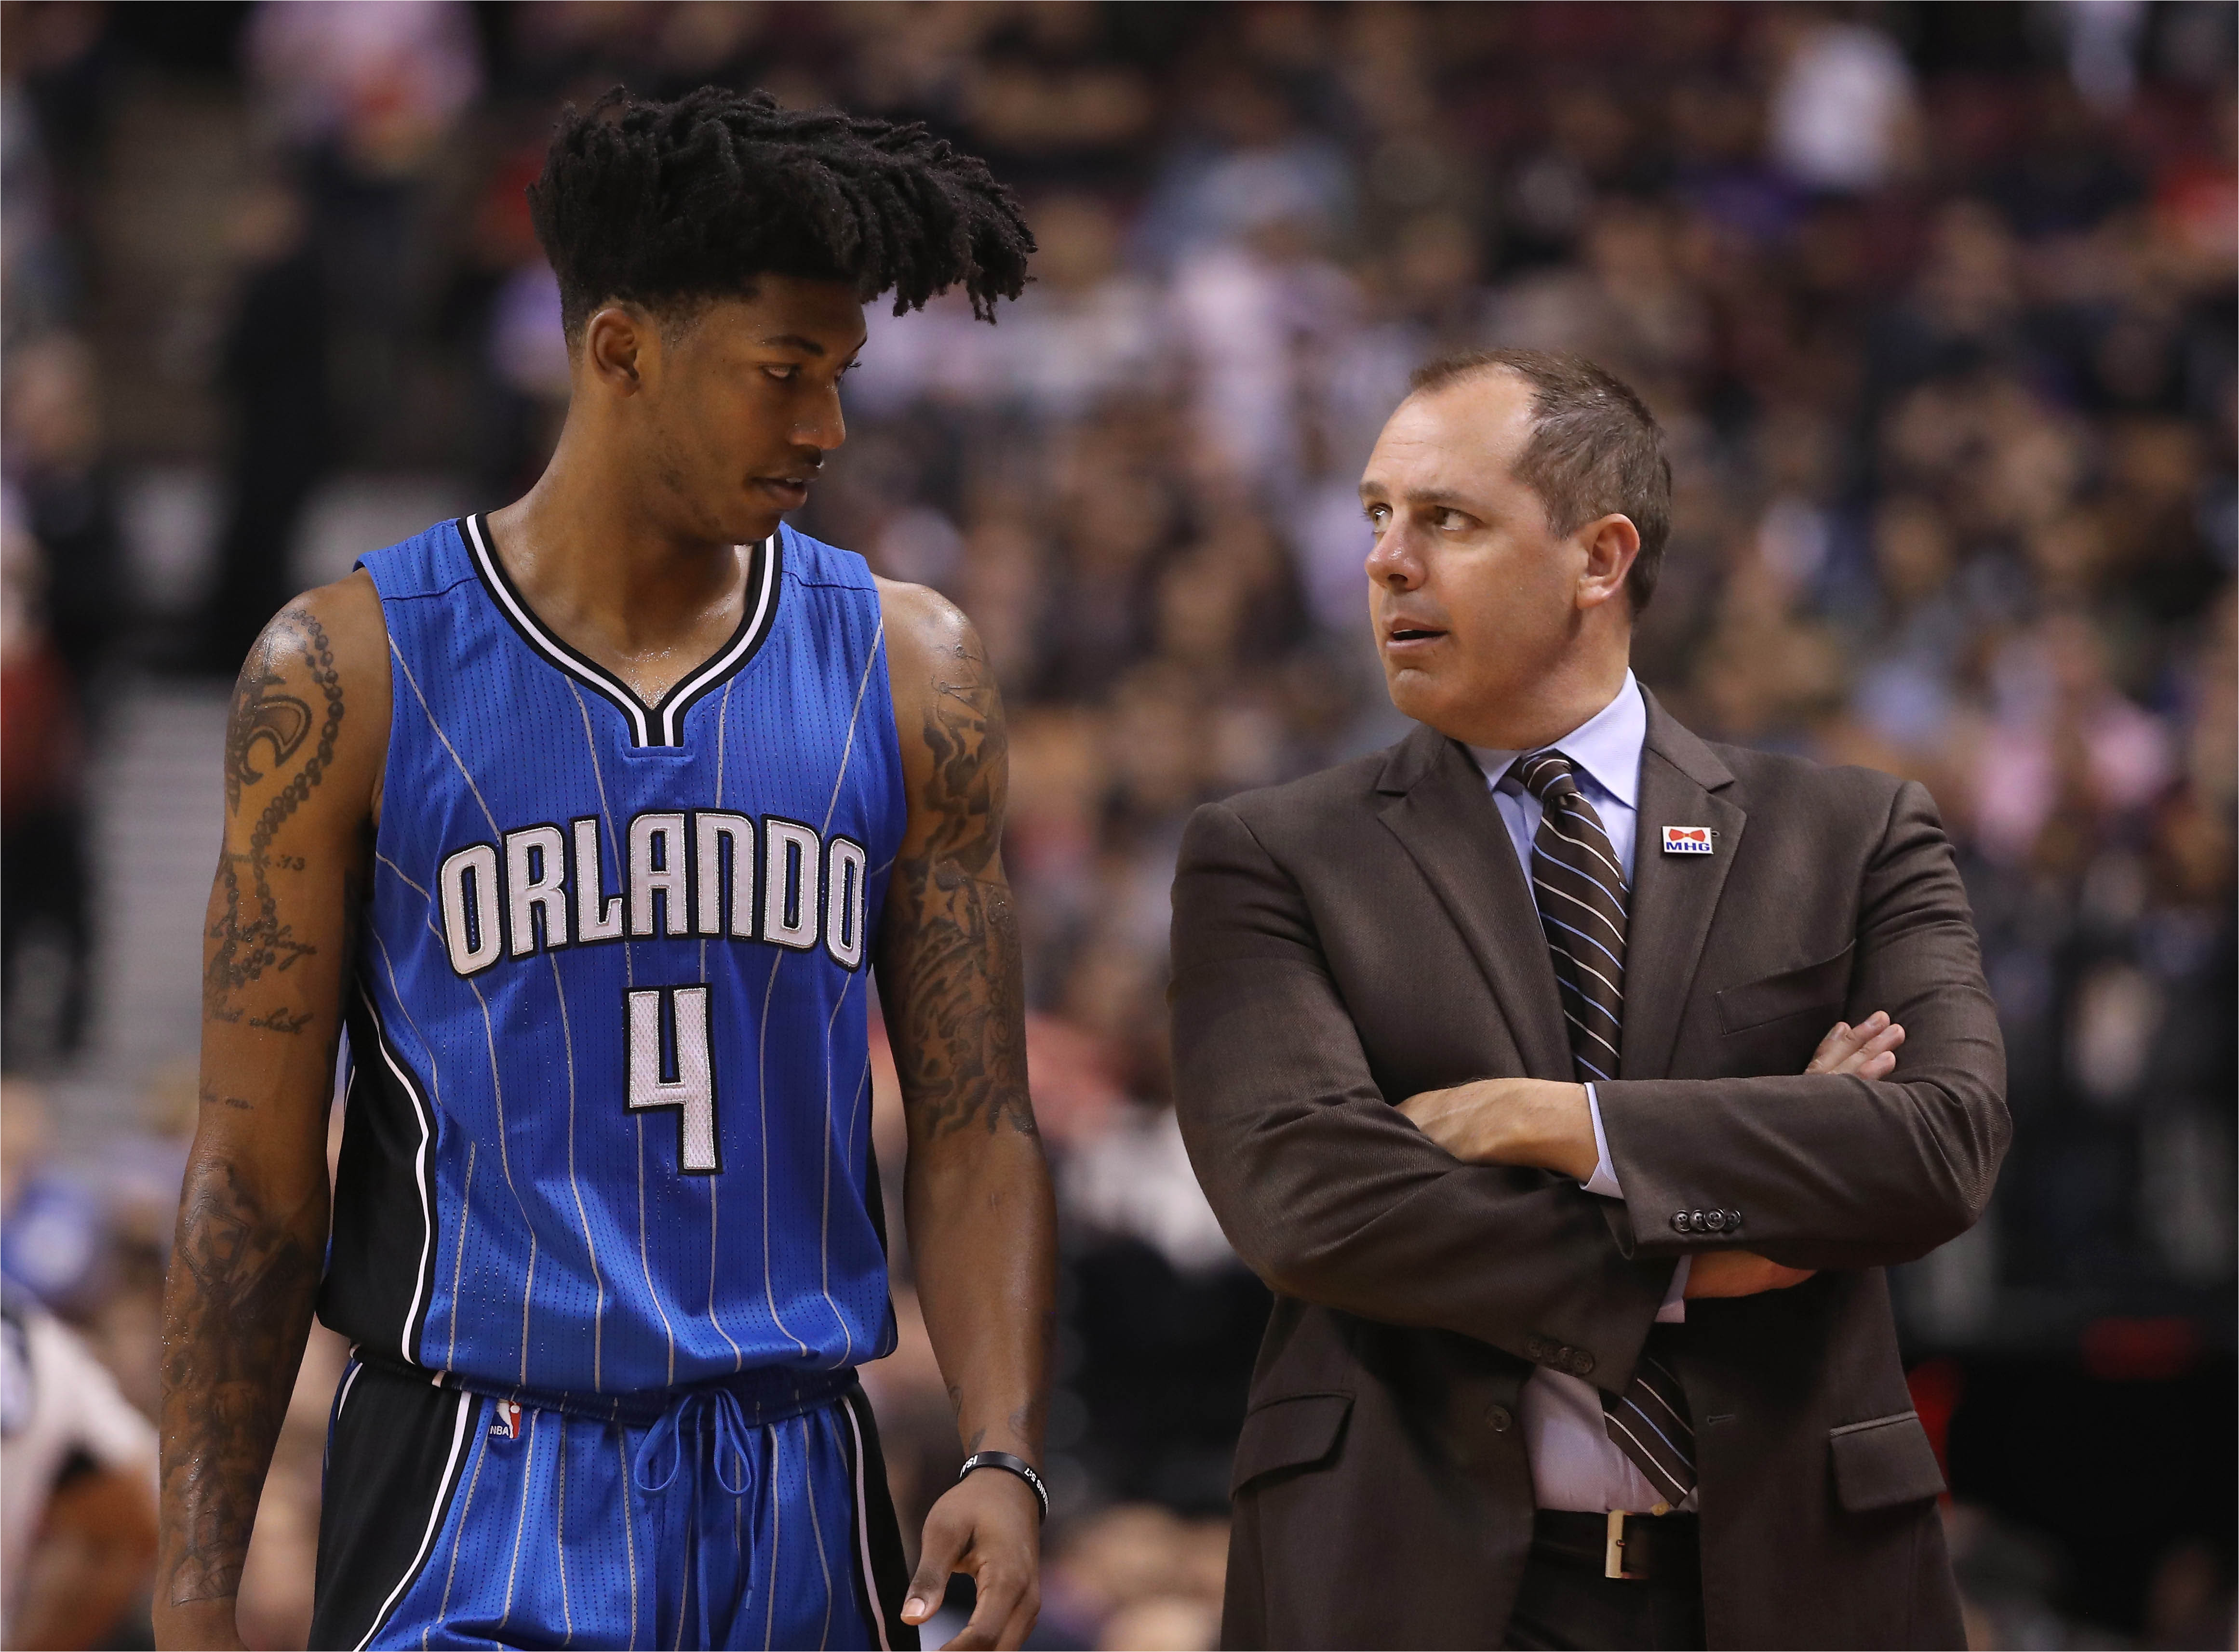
(1687, 841)
(506, 1419)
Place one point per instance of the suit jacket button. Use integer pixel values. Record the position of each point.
(1535, 1348)
(1733, 1221)
(1498, 1419)
(1715, 1220)
(1679, 1221)
(1582, 1363)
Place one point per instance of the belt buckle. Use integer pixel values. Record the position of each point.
(1613, 1553)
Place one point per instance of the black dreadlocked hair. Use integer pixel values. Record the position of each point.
(667, 205)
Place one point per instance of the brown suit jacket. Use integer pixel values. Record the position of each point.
(1348, 940)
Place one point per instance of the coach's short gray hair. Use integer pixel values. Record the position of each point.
(1595, 447)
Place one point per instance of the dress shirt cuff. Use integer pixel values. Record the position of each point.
(1604, 1180)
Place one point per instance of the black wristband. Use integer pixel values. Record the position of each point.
(1011, 1464)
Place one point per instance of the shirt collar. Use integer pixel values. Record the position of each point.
(1606, 747)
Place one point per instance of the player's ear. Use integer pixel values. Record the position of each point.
(618, 342)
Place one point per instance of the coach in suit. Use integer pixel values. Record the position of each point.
(1505, 1057)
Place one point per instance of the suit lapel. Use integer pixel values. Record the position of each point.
(1673, 895)
(1444, 814)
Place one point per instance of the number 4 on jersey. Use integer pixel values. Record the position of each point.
(669, 1067)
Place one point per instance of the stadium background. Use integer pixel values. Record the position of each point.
(1936, 303)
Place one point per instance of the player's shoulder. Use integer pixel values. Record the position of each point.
(948, 708)
(810, 561)
(315, 683)
(927, 634)
(322, 663)
(437, 560)
(336, 629)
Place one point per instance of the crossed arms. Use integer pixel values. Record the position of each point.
(1336, 1197)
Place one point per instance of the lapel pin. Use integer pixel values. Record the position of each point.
(1688, 840)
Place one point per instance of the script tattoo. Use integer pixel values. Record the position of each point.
(268, 724)
(214, 1099)
(248, 1279)
(953, 933)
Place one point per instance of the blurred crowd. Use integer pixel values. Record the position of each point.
(1937, 306)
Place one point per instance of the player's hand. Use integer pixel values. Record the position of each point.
(987, 1526)
(1867, 1051)
(198, 1624)
(1738, 1273)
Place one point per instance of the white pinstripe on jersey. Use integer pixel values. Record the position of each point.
(489, 1033)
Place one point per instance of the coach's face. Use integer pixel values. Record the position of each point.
(1491, 629)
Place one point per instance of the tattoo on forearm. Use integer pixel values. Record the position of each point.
(977, 1437)
(214, 1099)
(243, 1280)
(1029, 1421)
(953, 933)
(269, 725)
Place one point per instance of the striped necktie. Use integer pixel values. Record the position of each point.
(1579, 889)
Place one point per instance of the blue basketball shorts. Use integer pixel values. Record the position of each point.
(753, 1514)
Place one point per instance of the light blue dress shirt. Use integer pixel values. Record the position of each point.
(1574, 1465)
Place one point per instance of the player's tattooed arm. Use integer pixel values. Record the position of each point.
(951, 935)
(245, 1276)
(267, 731)
(982, 1224)
(304, 743)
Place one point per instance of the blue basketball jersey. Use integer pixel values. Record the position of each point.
(609, 1117)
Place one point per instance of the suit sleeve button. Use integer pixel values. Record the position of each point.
(1733, 1221)
(1679, 1221)
(1498, 1419)
(1582, 1363)
(1715, 1220)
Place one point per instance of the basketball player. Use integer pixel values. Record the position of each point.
(591, 820)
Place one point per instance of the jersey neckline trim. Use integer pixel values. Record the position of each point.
(661, 724)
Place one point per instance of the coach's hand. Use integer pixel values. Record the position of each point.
(1511, 1121)
(1867, 1049)
(1737, 1273)
(987, 1526)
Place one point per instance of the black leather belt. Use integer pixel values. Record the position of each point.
(1643, 1548)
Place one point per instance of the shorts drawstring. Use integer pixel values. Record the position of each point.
(730, 1418)
(731, 1431)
